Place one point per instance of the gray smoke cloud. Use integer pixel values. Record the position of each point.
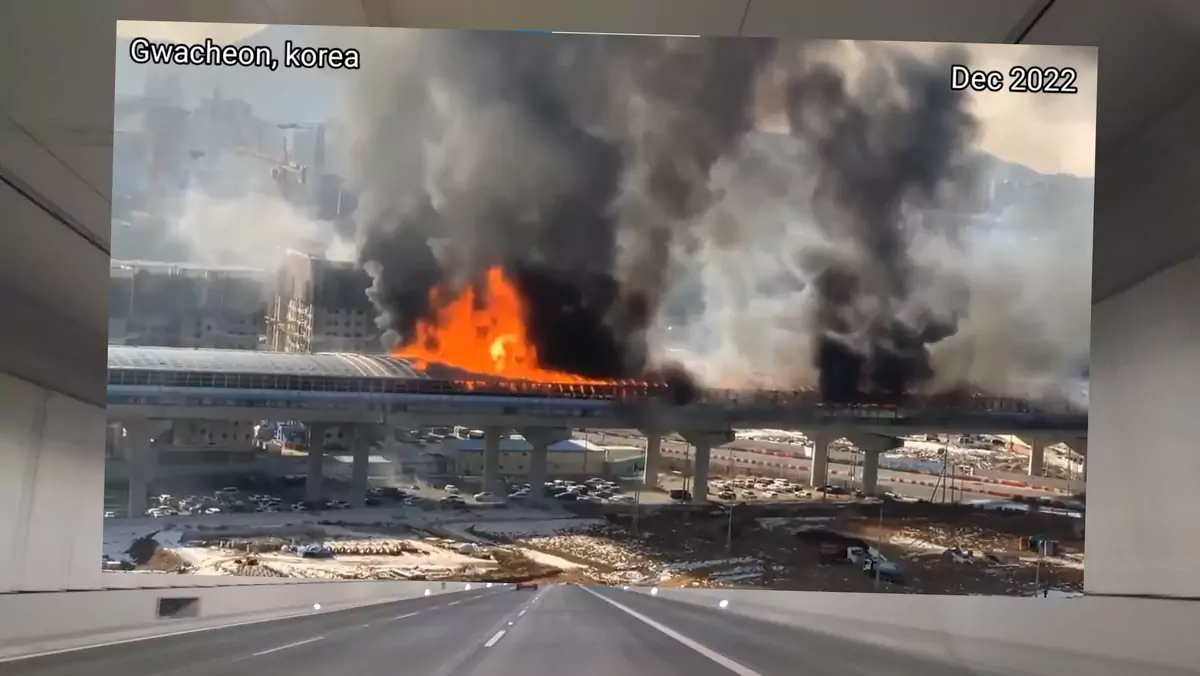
(765, 214)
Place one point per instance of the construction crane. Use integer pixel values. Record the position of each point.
(284, 172)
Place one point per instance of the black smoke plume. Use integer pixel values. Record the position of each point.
(885, 158)
(582, 164)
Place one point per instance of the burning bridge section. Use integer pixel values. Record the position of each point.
(481, 340)
(478, 341)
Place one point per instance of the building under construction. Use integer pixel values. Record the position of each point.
(321, 306)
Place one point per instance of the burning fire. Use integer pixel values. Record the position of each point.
(486, 336)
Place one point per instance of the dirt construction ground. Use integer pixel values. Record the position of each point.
(942, 550)
(939, 548)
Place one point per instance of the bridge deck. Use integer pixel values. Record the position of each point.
(182, 369)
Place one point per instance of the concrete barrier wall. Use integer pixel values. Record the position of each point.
(38, 622)
(984, 631)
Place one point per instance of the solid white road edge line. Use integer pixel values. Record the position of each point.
(405, 617)
(495, 639)
(290, 645)
(735, 667)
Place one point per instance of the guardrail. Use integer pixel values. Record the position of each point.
(1100, 636)
(143, 605)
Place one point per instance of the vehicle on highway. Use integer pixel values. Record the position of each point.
(485, 496)
(450, 489)
(525, 585)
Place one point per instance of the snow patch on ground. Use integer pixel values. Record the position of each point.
(551, 560)
(432, 557)
(738, 574)
(530, 528)
(789, 522)
(675, 569)
(913, 543)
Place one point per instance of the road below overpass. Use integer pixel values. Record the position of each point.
(497, 632)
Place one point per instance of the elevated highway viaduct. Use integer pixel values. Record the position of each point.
(149, 388)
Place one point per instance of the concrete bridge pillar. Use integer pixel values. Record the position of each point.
(391, 446)
(870, 472)
(143, 460)
(540, 440)
(653, 460)
(871, 446)
(314, 476)
(704, 442)
(1037, 457)
(491, 459)
(818, 472)
(360, 469)
(112, 440)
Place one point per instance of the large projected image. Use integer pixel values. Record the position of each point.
(508, 307)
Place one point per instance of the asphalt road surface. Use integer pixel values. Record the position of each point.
(497, 632)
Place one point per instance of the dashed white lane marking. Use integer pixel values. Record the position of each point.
(522, 613)
(365, 625)
(453, 603)
(290, 645)
(405, 617)
(735, 667)
(495, 639)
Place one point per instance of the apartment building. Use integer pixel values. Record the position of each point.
(177, 305)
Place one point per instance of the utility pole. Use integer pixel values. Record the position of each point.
(637, 503)
(879, 546)
(687, 467)
(1037, 575)
(729, 532)
(854, 468)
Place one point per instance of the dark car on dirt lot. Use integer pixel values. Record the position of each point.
(525, 585)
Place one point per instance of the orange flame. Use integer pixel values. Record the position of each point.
(483, 335)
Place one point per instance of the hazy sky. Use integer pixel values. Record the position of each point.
(1046, 132)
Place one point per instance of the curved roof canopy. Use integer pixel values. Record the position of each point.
(125, 357)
